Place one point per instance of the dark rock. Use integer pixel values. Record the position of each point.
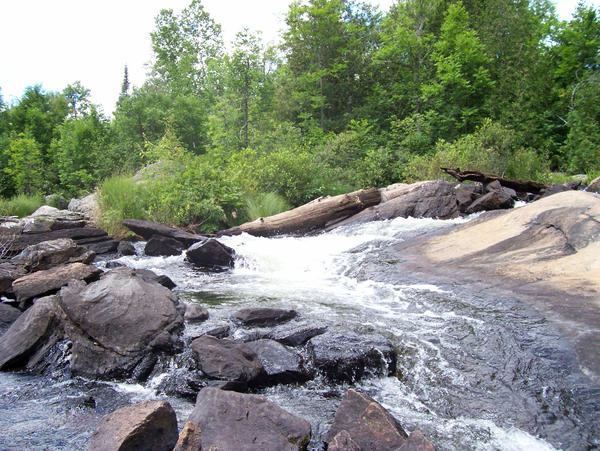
(106, 246)
(369, 425)
(195, 313)
(569, 186)
(494, 200)
(77, 234)
(348, 357)
(8, 274)
(125, 248)
(263, 317)
(8, 315)
(48, 254)
(416, 441)
(147, 230)
(114, 264)
(211, 254)
(151, 276)
(148, 425)
(282, 365)
(219, 332)
(295, 335)
(227, 360)
(190, 438)
(51, 280)
(466, 195)
(162, 246)
(343, 442)
(119, 320)
(235, 421)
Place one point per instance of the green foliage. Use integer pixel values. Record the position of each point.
(263, 205)
(25, 165)
(120, 197)
(21, 205)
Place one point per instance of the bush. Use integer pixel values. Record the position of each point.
(120, 197)
(21, 205)
(264, 205)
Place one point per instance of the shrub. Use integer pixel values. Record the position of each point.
(120, 197)
(21, 205)
(264, 205)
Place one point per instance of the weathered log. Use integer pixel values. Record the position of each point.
(312, 216)
(476, 176)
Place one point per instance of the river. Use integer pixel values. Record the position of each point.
(474, 371)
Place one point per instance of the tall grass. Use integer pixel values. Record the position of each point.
(265, 204)
(120, 198)
(21, 205)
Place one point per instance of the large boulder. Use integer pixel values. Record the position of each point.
(147, 230)
(49, 281)
(211, 254)
(120, 323)
(163, 246)
(148, 425)
(367, 423)
(87, 206)
(47, 254)
(125, 248)
(236, 421)
(594, 186)
(282, 365)
(53, 219)
(226, 359)
(263, 317)
(347, 357)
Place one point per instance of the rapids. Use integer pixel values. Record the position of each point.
(474, 371)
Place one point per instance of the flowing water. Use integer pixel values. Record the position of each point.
(474, 371)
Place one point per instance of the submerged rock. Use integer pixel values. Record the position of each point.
(211, 254)
(148, 425)
(263, 317)
(236, 421)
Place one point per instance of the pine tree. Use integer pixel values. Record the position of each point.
(124, 85)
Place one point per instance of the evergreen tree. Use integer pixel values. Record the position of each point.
(124, 85)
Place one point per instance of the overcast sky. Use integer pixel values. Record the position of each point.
(56, 42)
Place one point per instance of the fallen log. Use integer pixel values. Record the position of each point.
(476, 176)
(310, 217)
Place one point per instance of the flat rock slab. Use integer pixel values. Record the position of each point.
(51, 280)
(367, 423)
(147, 230)
(236, 421)
(282, 365)
(211, 254)
(348, 357)
(48, 254)
(263, 317)
(148, 425)
(227, 360)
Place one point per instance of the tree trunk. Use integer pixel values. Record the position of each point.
(476, 176)
(310, 217)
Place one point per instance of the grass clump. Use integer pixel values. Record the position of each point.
(120, 197)
(264, 205)
(21, 205)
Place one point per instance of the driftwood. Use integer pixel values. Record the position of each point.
(310, 217)
(476, 176)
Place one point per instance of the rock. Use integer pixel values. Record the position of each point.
(349, 357)
(50, 281)
(295, 335)
(219, 332)
(494, 200)
(554, 189)
(87, 206)
(8, 274)
(8, 315)
(48, 254)
(432, 199)
(54, 219)
(343, 442)
(211, 254)
(594, 186)
(151, 276)
(263, 317)
(466, 195)
(236, 421)
(416, 442)
(147, 230)
(162, 246)
(125, 248)
(78, 234)
(227, 360)
(190, 438)
(282, 365)
(148, 425)
(101, 246)
(114, 264)
(118, 322)
(57, 201)
(35, 329)
(195, 313)
(368, 424)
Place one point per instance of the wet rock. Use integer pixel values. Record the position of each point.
(113, 265)
(149, 275)
(125, 248)
(190, 438)
(147, 230)
(343, 442)
(232, 421)
(227, 360)
(162, 246)
(282, 365)
(211, 254)
(294, 335)
(8, 315)
(47, 254)
(148, 425)
(368, 424)
(219, 332)
(416, 442)
(195, 313)
(51, 280)
(349, 357)
(263, 317)
(117, 321)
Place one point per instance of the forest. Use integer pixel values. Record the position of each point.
(350, 98)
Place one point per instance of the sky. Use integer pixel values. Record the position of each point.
(54, 43)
